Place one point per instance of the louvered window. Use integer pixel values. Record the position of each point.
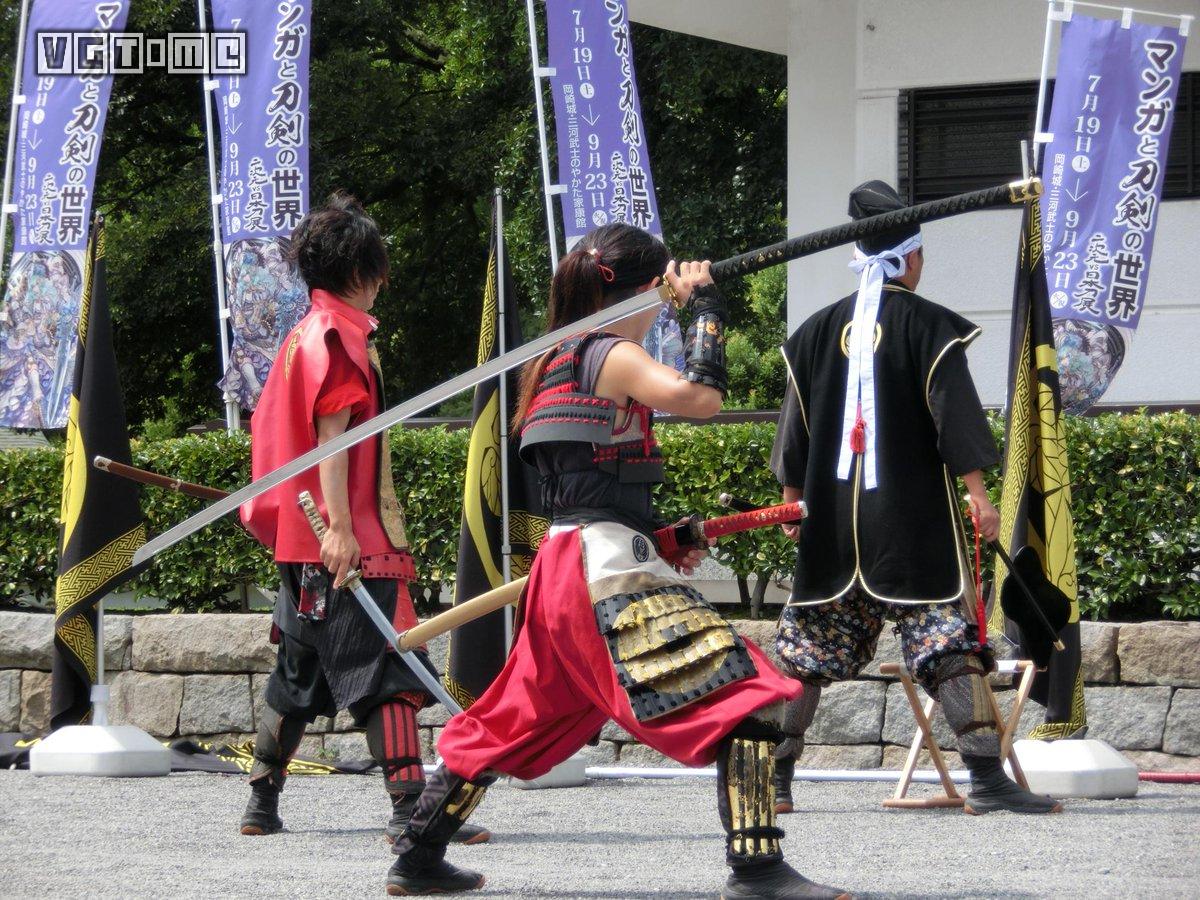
(956, 139)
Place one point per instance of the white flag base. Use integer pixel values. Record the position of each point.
(99, 750)
(1087, 769)
(568, 773)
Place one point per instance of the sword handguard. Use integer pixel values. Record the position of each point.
(676, 540)
(317, 523)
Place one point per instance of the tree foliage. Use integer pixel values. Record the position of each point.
(419, 108)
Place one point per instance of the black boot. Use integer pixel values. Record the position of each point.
(797, 716)
(402, 810)
(993, 791)
(274, 746)
(420, 868)
(262, 812)
(745, 776)
(785, 769)
(775, 880)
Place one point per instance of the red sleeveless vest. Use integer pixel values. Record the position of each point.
(283, 427)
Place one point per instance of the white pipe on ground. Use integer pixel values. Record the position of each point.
(924, 776)
(921, 776)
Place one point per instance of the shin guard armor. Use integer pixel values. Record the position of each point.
(958, 685)
(395, 743)
(276, 743)
(745, 800)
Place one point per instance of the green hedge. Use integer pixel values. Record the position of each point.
(1135, 501)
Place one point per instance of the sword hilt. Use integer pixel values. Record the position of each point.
(779, 514)
(317, 523)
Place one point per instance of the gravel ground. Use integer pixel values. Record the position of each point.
(176, 837)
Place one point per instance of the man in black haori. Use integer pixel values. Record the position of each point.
(879, 420)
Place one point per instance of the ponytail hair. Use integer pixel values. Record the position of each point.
(605, 267)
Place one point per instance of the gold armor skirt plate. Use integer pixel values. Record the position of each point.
(668, 645)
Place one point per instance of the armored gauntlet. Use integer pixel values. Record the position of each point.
(704, 347)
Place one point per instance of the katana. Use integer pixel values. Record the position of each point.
(737, 266)
(353, 583)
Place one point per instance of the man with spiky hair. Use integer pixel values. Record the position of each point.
(324, 381)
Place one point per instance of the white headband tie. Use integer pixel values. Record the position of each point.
(860, 381)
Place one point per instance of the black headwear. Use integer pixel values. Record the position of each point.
(870, 199)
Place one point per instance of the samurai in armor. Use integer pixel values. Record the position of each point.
(880, 420)
(607, 628)
(325, 380)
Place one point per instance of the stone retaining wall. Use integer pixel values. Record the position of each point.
(204, 675)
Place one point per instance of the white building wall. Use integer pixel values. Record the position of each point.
(847, 62)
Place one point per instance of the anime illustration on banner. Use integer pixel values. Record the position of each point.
(1114, 100)
(264, 182)
(59, 132)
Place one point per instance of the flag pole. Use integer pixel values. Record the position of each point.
(7, 207)
(99, 688)
(501, 327)
(548, 189)
(209, 85)
(1040, 137)
(98, 748)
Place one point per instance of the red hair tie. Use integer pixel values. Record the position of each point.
(605, 272)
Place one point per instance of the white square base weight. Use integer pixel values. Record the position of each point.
(99, 750)
(568, 773)
(1085, 769)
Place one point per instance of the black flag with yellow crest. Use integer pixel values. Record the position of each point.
(477, 649)
(101, 518)
(1035, 505)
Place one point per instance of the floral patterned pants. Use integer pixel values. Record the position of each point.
(833, 641)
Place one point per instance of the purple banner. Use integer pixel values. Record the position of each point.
(59, 131)
(263, 118)
(602, 157)
(1114, 103)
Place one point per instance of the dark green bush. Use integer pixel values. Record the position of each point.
(1135, 500)
(1136, 504)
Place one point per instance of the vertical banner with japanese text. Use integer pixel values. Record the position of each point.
(603, 160)
(59, 131)
(1114, 102)
(602, 157)
(263, 118)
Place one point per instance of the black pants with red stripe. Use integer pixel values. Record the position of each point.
(298, 689)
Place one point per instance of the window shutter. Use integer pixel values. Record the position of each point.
(957, 139)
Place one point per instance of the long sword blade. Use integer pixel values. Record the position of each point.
(405, 410)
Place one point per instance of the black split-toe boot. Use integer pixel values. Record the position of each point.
(993, 791)
(421, 867)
